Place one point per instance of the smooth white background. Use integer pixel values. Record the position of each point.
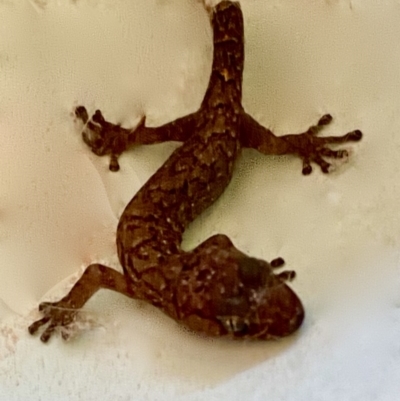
(59, 204)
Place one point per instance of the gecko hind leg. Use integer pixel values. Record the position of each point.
(61, 314)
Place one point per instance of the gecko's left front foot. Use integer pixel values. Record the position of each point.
(102, 137)
(311, 148)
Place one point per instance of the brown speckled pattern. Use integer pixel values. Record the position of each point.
(214, 289)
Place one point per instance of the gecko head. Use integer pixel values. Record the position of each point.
(265, 307)
(226, 293)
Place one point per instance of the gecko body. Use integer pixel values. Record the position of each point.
(215, 288)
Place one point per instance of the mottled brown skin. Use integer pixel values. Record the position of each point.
(214, 289)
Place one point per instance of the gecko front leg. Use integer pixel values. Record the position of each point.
(105, 138)
(307, 145)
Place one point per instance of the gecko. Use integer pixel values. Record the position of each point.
(214, 289)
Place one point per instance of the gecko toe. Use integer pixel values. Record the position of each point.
(34, 327)
(82, 114)
(48, 333)
(325, 167)
(277, 262)
(114, 165)
(288, 275)
(340, 154)
(355, 135)
(65, 335)
(334, 154)
(325, 120)
(98, 117)
(307, 169)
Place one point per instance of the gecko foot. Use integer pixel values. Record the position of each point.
(104, 138)
(57, 315)
(312, 148)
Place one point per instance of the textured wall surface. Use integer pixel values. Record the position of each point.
(59, 204)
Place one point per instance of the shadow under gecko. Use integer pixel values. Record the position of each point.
(215, 288)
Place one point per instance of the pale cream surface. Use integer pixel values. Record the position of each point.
(59, 204)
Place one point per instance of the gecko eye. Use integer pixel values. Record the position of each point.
(252, 272)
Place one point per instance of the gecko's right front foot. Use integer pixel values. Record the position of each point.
(102, 137)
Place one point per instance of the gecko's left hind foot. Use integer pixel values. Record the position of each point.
(312, 148)
(57, 316)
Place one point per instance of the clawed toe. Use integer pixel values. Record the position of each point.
(114, 165)
(288, 275)
(325, 120)
(34, 327)
(82, 114)
(354, 135)
(98, 117)
(277, 262)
